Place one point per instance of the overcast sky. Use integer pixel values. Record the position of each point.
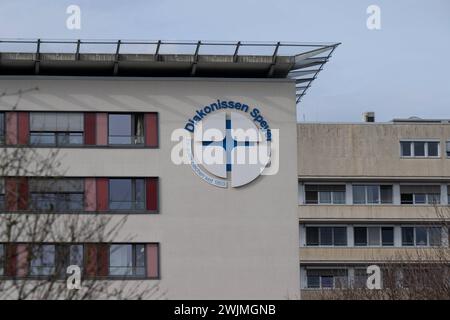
(401, 70)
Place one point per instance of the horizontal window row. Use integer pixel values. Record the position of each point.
(372, 194)
(79, 194)
(391, 276)
(65, 129)
(374, 236)
(122, 260)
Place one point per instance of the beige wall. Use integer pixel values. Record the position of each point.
(368, 150)
(372, 213)
(361, 255)
(215, 243)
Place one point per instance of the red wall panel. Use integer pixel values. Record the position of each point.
(152, 260)
(22, 196)
(151, 129)
(90, 261)
(102, 194)
(102, 260)
(90, 128)
(11, 260)
(11, 194)
(23, 127)
(152, 194)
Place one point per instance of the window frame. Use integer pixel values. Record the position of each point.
(378, 185)
(133, 193)
(426, 149)
(132, 119)
(380, 232)
(332, 245)
(428, 244)
(318, 194)
(134, 275)
(55, 133)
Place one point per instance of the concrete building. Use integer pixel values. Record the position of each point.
(111, 119)
(370, 193)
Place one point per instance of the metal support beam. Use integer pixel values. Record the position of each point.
(158, 46)
(37, 60)
(274, 60)
(194, 64)
(235, 55)
(77, 54)
(116, 58)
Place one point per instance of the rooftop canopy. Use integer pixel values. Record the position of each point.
(299, 61)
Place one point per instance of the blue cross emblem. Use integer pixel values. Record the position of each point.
(228, 143)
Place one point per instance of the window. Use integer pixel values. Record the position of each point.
(372, 194)
(417, 194)
(127, 260)
(67, 255)
(325, 194)
(57, 194)
(327, 278)
(447, 148)
(373, 236)
(42, 262)
(2, 259)
(421, 236)
(2, 128)
(126, 194)
(56, 128)
(419, 148)
(326, 236)
(126, 129)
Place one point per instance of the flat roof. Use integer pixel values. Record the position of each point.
(301, 62)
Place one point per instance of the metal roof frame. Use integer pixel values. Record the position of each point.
(303, 66)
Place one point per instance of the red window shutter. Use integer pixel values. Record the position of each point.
(102, 260)
(89, 128)
(102, 194)
(24, 127)
(152, 260)
(90, 261)
(11, 260)
(22, 196)
(151, 129)
(152, 194)
(11, 194)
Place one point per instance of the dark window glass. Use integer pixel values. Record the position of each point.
(42, 260)
(359, 194)
(421, 236)
(386, 194)
(326, 236)
(435, 236)
(433, 149)
(420, 198)
(325, 197)
(405, 148)
(407, 236)
(311, 197)
(340, 236)
(313, 281)
(447, 148)
(312, 236)
(419, 149)
(126, 129)
(360, 236)
(67, 255)
(69, 138)
(372, 194)
(387, 236)
(406, 198)
(327, 282)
